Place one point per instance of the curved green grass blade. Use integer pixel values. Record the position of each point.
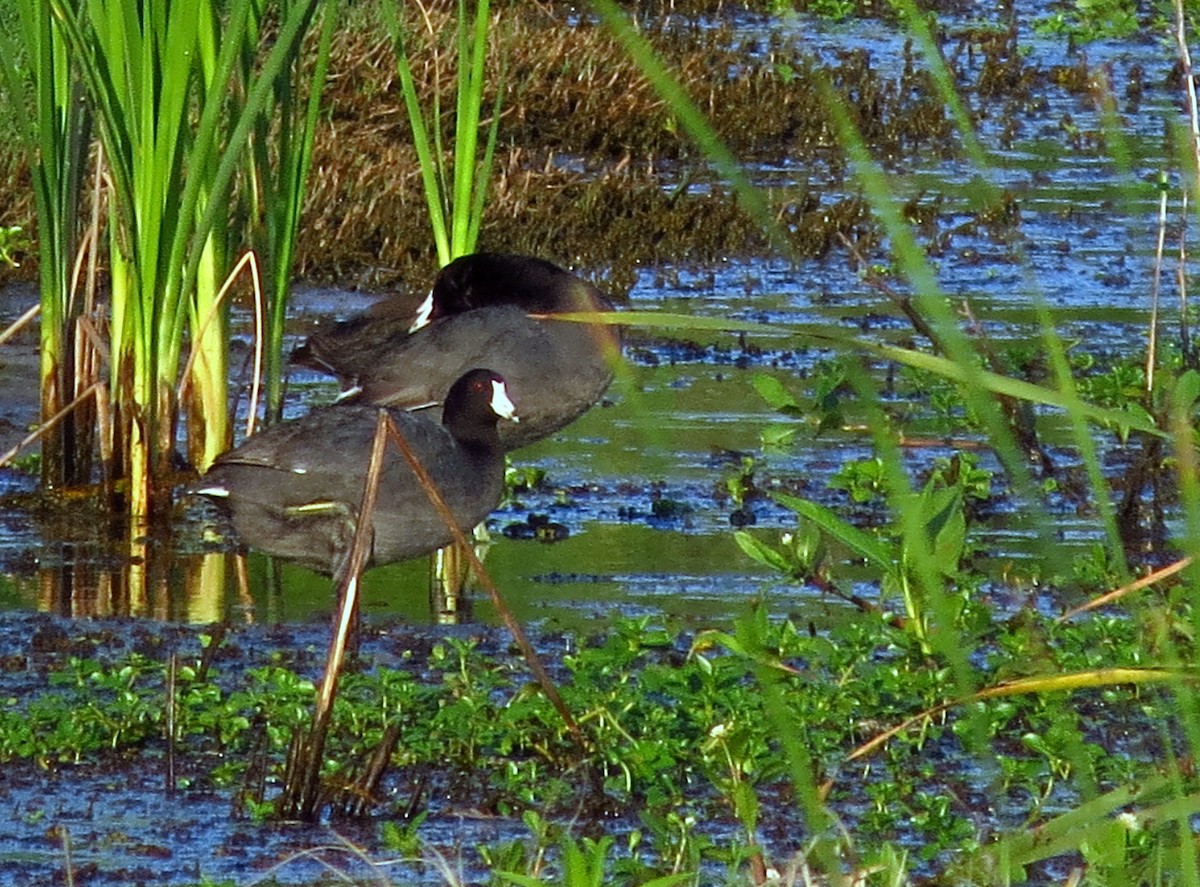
(1111, 817)
(1064, 682)
(984, 380)
(862, 543)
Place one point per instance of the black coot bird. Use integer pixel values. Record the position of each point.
(477, 314)
(294, 490)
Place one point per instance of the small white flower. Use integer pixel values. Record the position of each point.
(1130, 821)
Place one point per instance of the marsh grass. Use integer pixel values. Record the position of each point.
(923, 564)
(580, 165)
(454, 176)
(304, 793)
(157, 82)
(282, 153)
(52, 134)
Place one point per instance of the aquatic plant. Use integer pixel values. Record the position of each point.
(455, 180)
(282, 151)
(53, 129)
(157, 80)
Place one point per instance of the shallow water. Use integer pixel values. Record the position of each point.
(673, 427)
(1083, 247)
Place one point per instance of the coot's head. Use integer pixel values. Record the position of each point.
(482, 280)
(475, 403)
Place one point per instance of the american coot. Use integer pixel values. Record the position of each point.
(294, 490)
(479, 308)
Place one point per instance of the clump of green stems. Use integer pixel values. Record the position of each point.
(54, 127)
(175, 94)
(455, 181)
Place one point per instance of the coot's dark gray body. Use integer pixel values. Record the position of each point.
(294, 490)
(556, 370)
(480, 307)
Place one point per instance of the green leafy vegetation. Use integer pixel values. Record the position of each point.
(1089, 20)
(683, 748)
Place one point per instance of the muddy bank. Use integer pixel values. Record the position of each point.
(594, 170)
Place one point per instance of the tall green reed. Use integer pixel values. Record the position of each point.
(455, 180)
(54, 128)
(282, 158)
(175, 106)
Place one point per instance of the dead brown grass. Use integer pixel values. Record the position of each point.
(592, 169)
